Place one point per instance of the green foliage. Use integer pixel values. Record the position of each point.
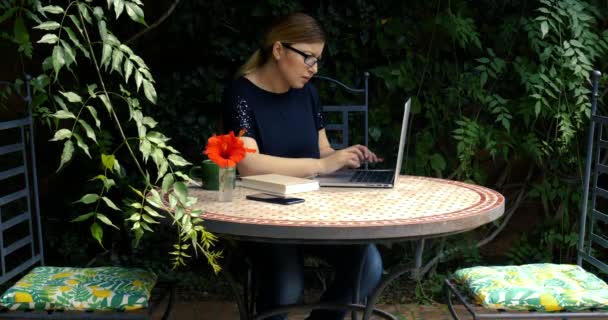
(79, 109)
(497, 88)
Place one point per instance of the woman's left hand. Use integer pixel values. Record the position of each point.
(365, 155)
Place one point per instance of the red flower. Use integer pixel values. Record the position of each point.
(226, 150)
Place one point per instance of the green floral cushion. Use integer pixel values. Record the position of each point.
(540, 287)
(105, 288)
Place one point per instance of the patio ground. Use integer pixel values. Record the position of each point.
(227, 310)
(200, 309)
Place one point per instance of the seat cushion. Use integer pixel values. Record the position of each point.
(57, 288)
(539, 287)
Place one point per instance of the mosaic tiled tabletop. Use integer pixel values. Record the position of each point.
(417, 207)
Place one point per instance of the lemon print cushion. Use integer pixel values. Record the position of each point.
(105, 288)
(539, 287)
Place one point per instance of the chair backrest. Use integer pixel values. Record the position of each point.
(593, 234)
(20, 231)
(339, 131)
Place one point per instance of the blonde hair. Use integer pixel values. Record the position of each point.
(295, 27)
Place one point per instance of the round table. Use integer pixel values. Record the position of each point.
(416, 207)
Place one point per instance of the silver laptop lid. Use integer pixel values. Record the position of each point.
(406, 115)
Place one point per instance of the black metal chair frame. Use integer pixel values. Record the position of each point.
(343, 126)
(584, 251)
(32, 216)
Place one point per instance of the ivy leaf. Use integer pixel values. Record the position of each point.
(178, 160)
(66, 155)
(164, 165)
(438, 162)
(153, 212)
(146, 149)
(91, 90)
(89, 198)
(135, 12)
(544, 28)
(106, 102)
(138, 79)
(88, 130)
(181, 191)
(49, 38)
(149, 219)
(103, 31)
(20, 31)
(51, 9)
(62, 134)
(60, 102)
(106, 53)
(110, 203)
(81, 144)
(58, 59)
(168, 181)
(84, 10)
(150, 122)
(128, 69)
(97, 233)
(75, 41)
(98, 13)
(94, 115)
(48, 25)
(149, 91)
(483, 78)
(105, 220)
(119, 6)
(69, 54)
(117, 56)
(83, 217)
(63, 114)
(76, 23)
(155, 199)
(108, 161)
(71, 96)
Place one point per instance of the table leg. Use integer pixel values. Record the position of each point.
(241, 300)
(357, 288)
(392, 277)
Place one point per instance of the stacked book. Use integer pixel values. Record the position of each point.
(279, 184)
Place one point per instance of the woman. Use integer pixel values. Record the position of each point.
(273, 100)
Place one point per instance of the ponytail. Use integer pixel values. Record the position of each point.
(254, 61)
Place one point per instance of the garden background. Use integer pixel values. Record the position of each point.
(500, 97)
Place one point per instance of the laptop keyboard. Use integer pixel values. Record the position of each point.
(373, 176)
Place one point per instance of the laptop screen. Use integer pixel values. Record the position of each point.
(404, 123)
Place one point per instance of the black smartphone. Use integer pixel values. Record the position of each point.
(273, 198)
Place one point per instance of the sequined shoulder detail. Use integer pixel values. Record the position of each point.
(244, 116)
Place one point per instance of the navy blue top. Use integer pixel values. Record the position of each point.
(283, 124)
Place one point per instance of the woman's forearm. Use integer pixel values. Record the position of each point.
(256, 163)
(326, 152)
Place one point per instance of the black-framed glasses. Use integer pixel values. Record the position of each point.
(309, 59)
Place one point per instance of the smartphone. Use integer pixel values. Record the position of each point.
(273, 198)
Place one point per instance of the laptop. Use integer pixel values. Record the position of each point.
(383, 178)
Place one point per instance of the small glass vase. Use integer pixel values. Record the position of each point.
(227, 177)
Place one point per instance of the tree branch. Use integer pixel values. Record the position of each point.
(156, 23)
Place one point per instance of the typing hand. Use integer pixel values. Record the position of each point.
(351, 157)
(366, 155)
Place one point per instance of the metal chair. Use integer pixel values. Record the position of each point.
(339, 132)
(21, 241)
(593, 238)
